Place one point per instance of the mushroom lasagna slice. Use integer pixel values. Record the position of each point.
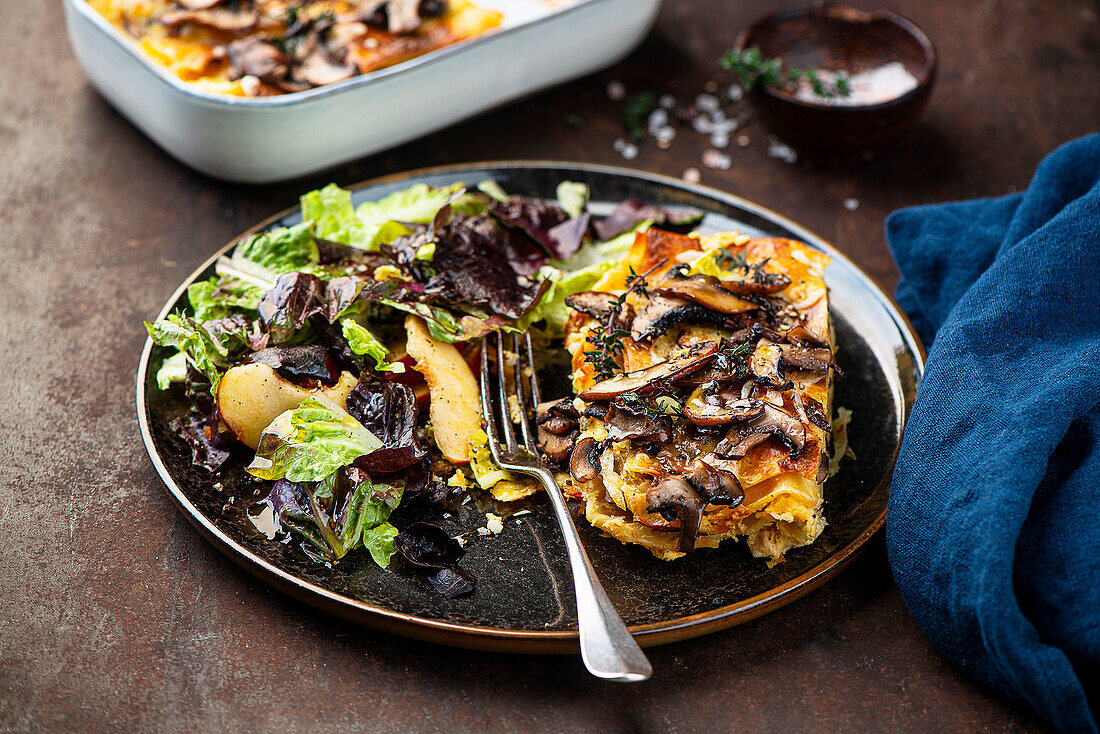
(703, 372)
(257, 48)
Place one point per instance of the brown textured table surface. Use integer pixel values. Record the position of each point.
(117, 615)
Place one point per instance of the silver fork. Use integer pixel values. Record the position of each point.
(607, 648)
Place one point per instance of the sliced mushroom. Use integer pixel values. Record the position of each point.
(557, 416)
(594, 303)
(661, 313)
(256, 57)
(801, 336)
(584, 463)
(806, 358)
(753, 333)
(231, 20)
(674, 497)
(816, 413)
(557, 447)
(717, 486)
(624, 423)
(597, 409)
(766, 367)
(598, 306)
(720, 407)
(403, 15)
(319, 67)
(723, 369)
(634, 381)
(774, 422)
(761, 284)
(706, 290)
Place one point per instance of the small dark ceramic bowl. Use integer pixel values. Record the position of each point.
(839, 38)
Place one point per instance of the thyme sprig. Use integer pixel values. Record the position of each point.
(607, 335)
(751, 68)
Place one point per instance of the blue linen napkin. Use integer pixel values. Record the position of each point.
(993, 528)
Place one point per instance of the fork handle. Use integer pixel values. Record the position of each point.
(607, 647)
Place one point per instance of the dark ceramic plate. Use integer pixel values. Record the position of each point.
(524, 599)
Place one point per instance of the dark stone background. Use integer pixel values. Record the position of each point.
(117, 615)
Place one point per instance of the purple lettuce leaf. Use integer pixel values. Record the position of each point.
(632, 212)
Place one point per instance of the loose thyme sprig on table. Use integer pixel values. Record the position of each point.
(751, 68)
(606, 335)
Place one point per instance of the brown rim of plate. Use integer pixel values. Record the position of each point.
(528, 641)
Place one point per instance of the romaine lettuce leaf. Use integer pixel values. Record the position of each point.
(333, 217)
(362, 341)
(310, 442)
(416, 204)
(283, 250)
(209, 353)
(219, 296)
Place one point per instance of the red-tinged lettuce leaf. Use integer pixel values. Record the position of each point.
(209, 449)
(534, 216)
(304, 365)
(632, 212)
(568, 236)
(472, 269)
(453, 582)
(388, 410)
(288, 305)
(428, 546)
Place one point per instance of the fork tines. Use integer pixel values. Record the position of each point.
(517, 392)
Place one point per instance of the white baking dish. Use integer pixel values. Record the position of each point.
(260, 140)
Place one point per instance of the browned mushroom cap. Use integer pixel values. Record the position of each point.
(584, 463)
(754, 333)
(774, 422)
(633, 381)
(723, 369)
(803, 337)
(717, 486)
(706, 290)
(674, 497)
(761, 284)
(258, 58)
(594, 303)
(623, 423)
(719, 407)
(806, 358)
(231, 20)
(661, 313)
(556, 447)
(557, 416)
(816, 413)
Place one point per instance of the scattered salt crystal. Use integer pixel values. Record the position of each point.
(707, 102)
(619, 144)
(629, 151)
(665, 134)
(616, 91)
(658, 118)
(715, 159)
(851, 204)
(666, 101)
(720, 140)
(735, 93)
(782, 151)
(691, 175)
(726, 127)
(743, 141)
(718, 117)
(703, 124)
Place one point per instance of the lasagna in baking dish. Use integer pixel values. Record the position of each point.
(702, 368)
(258, 48)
